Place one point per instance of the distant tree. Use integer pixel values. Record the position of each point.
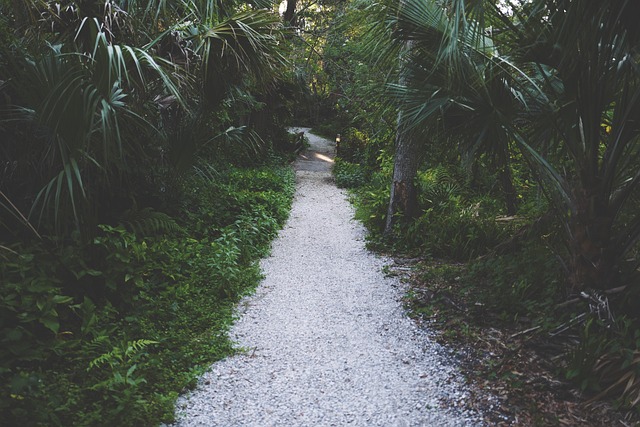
(290, 13)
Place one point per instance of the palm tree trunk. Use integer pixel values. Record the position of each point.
(593, 253)
(403, 197)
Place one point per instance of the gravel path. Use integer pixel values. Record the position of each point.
(327, 342)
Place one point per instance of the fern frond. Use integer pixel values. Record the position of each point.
(149, 222)
(134, 347)
(120, 354)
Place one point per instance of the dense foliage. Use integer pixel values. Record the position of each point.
(141, 177)
(138, 180)
(523, 119)
(150, 304)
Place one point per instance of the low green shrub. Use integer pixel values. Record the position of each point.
(353, 143)
(606, 361)
(348, 175)
(372, 202)
(451, 224)
(526, 281)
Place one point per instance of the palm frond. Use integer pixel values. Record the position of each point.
(12, 210)
(245, 45)
(124, 65)
(79, 104)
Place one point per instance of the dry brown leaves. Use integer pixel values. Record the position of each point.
(514, 372)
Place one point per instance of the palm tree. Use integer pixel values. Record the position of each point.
(226, 49)
(82, 117)
(403, 199)
(75, 105)
(454, 87)
(586, 54)
(559, 78)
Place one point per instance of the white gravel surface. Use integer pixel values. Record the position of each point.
(326, 337)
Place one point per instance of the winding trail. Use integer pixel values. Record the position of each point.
(327, 341)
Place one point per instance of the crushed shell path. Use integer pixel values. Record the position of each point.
(326, 339)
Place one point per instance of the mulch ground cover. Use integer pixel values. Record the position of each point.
(514, 369)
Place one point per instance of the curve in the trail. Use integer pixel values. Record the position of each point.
(318, 157)
(326, 337)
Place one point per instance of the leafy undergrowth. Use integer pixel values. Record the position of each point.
(108, 332)
(514, 363)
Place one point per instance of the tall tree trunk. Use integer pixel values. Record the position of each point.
(403, 199)
(289, 16)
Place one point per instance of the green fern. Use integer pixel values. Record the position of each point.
(121, 354)
(440, 186)
(149, 222)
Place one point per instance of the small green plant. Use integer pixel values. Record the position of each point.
(122, 382)
(606, 361)
(149, 222)
(371, 203)
(33, 305)
(348, 175)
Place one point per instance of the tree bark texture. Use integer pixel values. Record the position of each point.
(404, 198)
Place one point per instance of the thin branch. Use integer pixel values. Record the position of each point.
(24, 219)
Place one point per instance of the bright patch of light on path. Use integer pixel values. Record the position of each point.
(324, 158)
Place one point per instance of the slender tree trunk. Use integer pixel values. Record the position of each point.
(509, 191)
(289, 16)
(403, 199)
